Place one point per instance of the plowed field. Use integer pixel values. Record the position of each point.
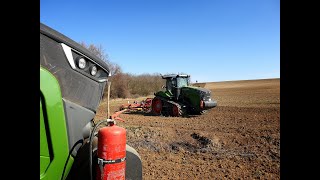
(238, 139)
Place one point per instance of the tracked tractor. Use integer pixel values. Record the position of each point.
(180, 98)
(72, 144)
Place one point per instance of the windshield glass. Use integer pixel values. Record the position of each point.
(181, 82)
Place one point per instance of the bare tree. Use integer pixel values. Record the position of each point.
(125, 85)
(99, 51)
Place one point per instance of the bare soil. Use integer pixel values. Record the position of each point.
(239, 139)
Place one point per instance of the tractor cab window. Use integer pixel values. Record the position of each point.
(174, 83)
(169, 84)
(181, 82)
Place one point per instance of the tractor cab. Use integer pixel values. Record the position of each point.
(174, 83)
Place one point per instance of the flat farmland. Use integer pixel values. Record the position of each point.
(238, 139)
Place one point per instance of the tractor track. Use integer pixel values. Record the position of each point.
(182, 111)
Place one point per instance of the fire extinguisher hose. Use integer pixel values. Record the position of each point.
(65, 165)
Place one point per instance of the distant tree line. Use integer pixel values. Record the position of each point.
(126, 85)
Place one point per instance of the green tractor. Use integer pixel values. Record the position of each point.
(180, 98)
(72, 82)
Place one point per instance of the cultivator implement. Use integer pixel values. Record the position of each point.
(144, 106)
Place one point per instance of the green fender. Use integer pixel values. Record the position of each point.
(164, 94)
(53, 126)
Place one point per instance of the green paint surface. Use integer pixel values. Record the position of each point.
(56, 131)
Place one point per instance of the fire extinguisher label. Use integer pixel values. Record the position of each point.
(102, 161)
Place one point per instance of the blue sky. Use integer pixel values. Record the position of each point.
(212, 40)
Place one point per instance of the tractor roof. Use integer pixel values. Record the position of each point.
(174, 76)
(44, 29)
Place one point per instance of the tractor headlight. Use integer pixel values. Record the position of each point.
(93, 70)
(82, 63)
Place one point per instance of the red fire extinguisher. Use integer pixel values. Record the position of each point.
(111, 153)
